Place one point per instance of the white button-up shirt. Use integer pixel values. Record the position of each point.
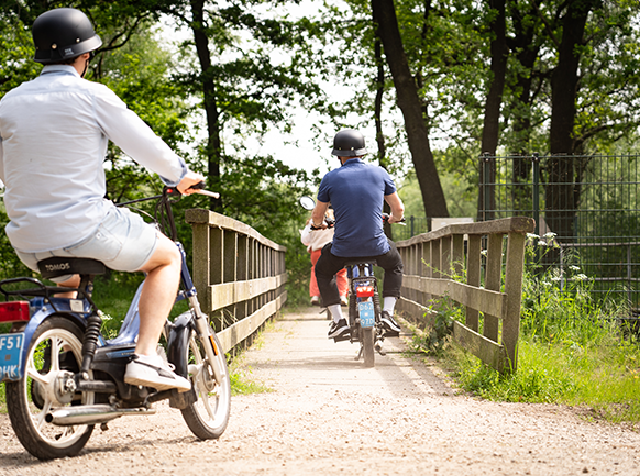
(54, 132)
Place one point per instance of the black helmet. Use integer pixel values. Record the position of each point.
(62, 34)
(348, 143)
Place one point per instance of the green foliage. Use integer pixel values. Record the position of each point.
(11, 266)
(243, 384)
(437, 337)
(459, 192)
(15, 47)
(571, 350)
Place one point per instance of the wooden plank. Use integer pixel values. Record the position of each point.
(489, 352)
(239, 331)
(223, 295)
(217, 220)
(416, 312)
(505, 225)
(487, 301)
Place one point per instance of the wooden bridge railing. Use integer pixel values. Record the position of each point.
(429, 259)
(239, 275)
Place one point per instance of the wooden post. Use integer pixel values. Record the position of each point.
(513, 289)
(474, 249)
(492, 282)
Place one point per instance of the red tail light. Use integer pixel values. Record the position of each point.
(14, 311)
(364, 291)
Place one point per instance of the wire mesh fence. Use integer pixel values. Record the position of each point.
(588, 205)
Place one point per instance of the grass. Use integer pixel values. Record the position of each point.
(571, 351)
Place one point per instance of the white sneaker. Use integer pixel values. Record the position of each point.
(153, 371)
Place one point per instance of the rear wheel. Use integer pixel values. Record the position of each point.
(52, 359)
(208, 417)
(368, 351)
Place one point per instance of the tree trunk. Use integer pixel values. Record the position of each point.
(214, 143)
(377, 112)
(491, 127)
(560, 196)
(384, 15)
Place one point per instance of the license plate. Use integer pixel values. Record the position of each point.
(367, 316)
(10, 355)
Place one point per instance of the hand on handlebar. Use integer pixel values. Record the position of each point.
(195, 183)
(190, 183)
(325, 224)
(389, 218)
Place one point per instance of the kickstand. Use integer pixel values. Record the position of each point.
(360, 352)
(326, 309)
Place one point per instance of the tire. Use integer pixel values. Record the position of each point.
(33, 396)
(368, 337)
(208, 417)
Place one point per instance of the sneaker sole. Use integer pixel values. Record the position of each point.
(158, 386)
(340, 334)
(342, 338)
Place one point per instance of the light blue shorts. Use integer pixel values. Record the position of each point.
(122, 241)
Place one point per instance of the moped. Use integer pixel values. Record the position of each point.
(62, 377)
(364, 302)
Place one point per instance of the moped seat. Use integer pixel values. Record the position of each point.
(60, 266)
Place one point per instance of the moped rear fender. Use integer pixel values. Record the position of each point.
(44, 310)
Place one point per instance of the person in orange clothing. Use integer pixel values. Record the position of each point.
(315, 240)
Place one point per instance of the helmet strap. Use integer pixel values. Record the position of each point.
(86, 66)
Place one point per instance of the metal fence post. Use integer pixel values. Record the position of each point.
(486, 170)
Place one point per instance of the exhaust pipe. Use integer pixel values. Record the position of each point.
(91, 414)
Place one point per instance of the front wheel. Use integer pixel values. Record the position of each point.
(208, 417)
(52, 358)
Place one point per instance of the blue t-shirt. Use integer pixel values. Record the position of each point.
(356, 192)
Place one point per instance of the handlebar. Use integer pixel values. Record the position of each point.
(385, 219)
(163, 213)
(198, 188)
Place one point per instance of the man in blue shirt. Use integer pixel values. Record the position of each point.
(357, 192)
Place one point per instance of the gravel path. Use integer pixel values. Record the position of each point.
(329, 415)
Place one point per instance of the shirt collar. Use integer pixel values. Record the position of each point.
(59, 69)
(355, 160)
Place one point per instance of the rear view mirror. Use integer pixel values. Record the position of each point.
(307, 203)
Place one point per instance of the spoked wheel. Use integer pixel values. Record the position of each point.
(52, 359)
(208, 417)
(368, 336)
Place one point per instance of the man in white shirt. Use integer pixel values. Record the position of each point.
(54, 132)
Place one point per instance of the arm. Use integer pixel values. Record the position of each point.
(317, 215)
(1, 162)
(305, 235)
(136, 139)
(397, 207)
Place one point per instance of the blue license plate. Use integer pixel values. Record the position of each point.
(367, 316)
(10, 355)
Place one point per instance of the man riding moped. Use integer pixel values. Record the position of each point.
(357, 191)
(54, 132)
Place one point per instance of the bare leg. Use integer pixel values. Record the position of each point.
(72, 282)
(158, 294)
